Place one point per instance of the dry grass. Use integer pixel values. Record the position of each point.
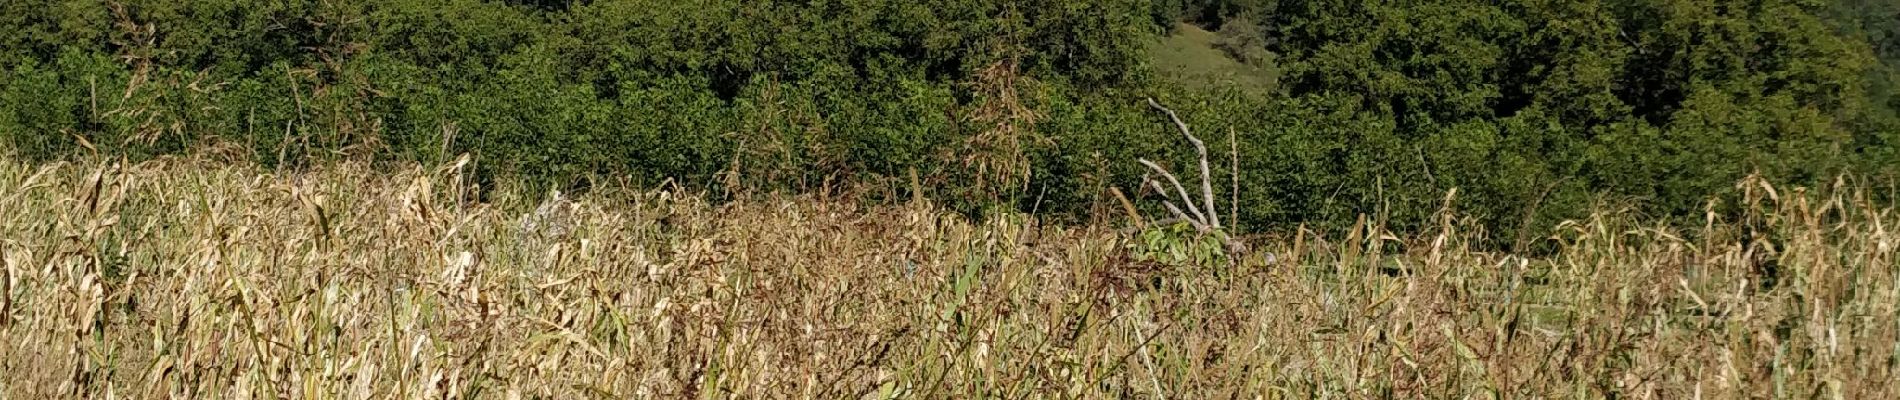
(186, 279)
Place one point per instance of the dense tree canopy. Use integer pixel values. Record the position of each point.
(1532, 108)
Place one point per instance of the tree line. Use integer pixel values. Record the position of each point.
(1533, 109)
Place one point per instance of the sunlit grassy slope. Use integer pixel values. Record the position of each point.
(186, 279)
(1189, 57)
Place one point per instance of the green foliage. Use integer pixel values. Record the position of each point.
(1180, 246)
(1534, 110)
(552, 91)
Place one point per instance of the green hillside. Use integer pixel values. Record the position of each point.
(1188, 56)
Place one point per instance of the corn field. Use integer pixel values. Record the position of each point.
(180, 278)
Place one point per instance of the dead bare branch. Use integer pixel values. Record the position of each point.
(1207, 177)
(1178, 216)
(1185, 198)
(1207, 222)
(1167, 202)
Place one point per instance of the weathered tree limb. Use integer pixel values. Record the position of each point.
(1185, 198)
(1207, 222)
(1200, 148)
(1167, 202)
(1178, 216)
